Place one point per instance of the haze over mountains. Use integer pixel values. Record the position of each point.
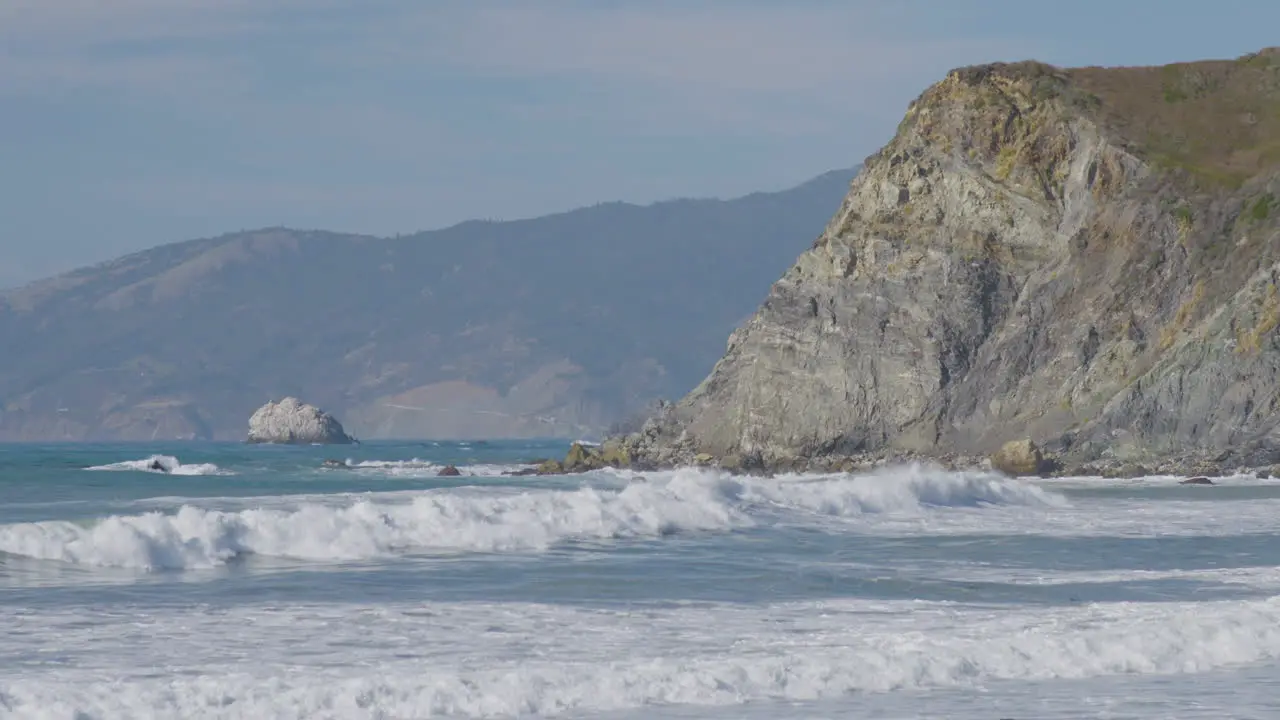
(555, 326)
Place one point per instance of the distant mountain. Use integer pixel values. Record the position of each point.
(555, 326)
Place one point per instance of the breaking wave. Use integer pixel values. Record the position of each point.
(470, 519)
(837, 655)
(420, 468)
(166, 464)
(910, 488)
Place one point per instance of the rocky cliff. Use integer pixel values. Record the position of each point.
(1086, 257)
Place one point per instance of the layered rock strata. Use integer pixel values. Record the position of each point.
(1087, 259)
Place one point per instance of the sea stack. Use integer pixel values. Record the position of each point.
(293, 422)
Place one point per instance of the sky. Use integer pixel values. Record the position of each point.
(126, 124)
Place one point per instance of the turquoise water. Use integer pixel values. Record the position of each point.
(253, 582)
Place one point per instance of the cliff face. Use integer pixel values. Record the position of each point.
(1086, 257)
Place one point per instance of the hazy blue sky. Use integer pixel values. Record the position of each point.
(129, 123)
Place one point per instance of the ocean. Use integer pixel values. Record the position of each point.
(253, 582)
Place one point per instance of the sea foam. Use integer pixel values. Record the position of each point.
(460, 660)
(491, 520)
(423, 468)
(194, 537)
(162, 464)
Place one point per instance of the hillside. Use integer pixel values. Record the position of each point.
(1086, 257)
(554, 326)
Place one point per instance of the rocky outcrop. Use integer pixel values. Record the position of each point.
(293, 422)
(1089, 258)
(584, 458)
(1019, 457)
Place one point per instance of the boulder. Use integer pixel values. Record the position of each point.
(614, 454)
(449, 471)
(1201, 480)
(550, 467)
(581, 458)
(1127, 470)
(1018, 457)
(293, 422)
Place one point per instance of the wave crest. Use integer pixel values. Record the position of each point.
(165, 464)
(493, 520)
(910, 488)
(426, 468)
(194, 537)
(835, 655)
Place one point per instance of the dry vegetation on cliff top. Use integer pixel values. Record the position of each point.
(1219, 120)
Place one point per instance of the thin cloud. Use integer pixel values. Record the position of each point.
(165, 46)
(767, 69)
(814, 50)
(388, 115)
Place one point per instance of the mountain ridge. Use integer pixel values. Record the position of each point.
(480, 329)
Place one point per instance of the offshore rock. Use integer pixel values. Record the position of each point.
(550, 467)
(293, 422)
(581, 458)
(585, 458)
(1089, 258)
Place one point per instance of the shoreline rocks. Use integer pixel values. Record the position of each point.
(293, 422)
(1017, 458)
(1021, 458)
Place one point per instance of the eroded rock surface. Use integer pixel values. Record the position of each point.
(293, 422)
(1088, 258)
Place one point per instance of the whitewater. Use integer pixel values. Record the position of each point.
(228, 581)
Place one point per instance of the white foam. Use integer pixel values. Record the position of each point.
(468, 519)
(920, 500)
(415, 463)
(906, 489)
(425, 468)
(912, 500)
(1148, 481)
(457, 520)
(165, 464)
(1261, 577)
(498, 660)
